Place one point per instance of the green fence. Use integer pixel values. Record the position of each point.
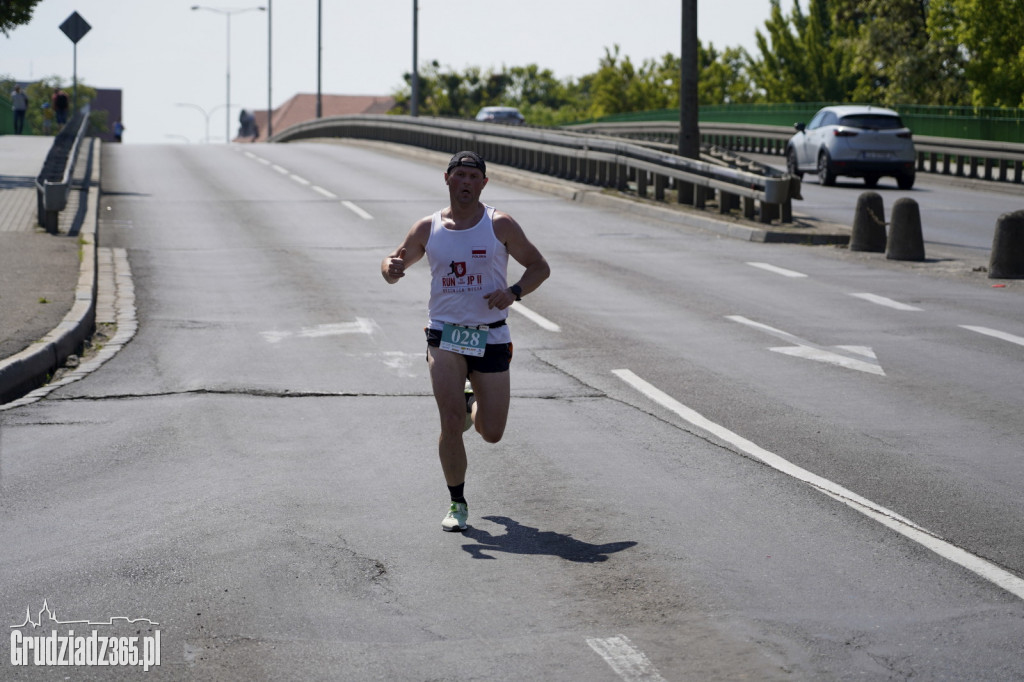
(970, 123)
(6, 117)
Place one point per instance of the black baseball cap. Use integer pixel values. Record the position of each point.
(468, 159)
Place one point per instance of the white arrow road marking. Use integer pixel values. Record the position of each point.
(809, 351)
(536, 318)
(626, 660)
(358, 211)
(777, 270)
(996, 334)
(402, 363)
(362, 325)
(988, 571)
(888, 302)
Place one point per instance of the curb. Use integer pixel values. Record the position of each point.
(29, 369)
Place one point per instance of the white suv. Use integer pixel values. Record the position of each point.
(853, 140)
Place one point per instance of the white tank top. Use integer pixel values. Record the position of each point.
(465, 265)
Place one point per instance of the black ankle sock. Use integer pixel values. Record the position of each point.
(457, 492)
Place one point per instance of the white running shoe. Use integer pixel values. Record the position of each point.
(457, 516)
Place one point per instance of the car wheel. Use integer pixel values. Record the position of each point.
(905, 180)
(871, 180)
(791, 166)
(826, 175)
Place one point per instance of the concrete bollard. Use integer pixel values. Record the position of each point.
(905, 239)
(1007, 259)
(869, 224)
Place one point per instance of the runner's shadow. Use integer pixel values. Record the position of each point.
(520, 539)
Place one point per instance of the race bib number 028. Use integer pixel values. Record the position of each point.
(464, 340)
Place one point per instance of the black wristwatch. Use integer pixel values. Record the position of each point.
(517, 291)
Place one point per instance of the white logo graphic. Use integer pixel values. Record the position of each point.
(91, 649)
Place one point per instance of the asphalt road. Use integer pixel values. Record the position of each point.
(724, 460)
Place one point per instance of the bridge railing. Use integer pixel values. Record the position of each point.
(577, 156)
(53, 184)
(995, 161)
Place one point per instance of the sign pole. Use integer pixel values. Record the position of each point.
(75, 28)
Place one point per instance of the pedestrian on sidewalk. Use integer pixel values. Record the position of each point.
(469, 346)
(61, 104)
(19, 105)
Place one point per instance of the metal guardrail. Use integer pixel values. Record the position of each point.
(591, 159)
(53, 184)
(994, 161)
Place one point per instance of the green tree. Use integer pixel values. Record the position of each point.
(888, 41)
(987, 33)
(889, 52)
(40, 116)
(828, 56)
(724, 77)
(609, 89)
(14, 13)
(950, 86)
(780, 72)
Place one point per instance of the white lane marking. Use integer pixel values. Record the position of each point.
(280, 169)
(626, 660)
(326, 193)
(536, 318)
(1004, 579)
(362, 325)
(777, 270)
(299, 179)
(265, 162)
(357, 210)
(810, 351)
(887, 302)
(996, 334)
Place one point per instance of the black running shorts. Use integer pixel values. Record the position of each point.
(497, 356)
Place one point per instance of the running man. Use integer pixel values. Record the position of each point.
(467, 245)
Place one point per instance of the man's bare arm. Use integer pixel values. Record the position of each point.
(525, 253)
(412, 249)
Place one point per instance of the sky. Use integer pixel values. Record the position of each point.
(161, 53)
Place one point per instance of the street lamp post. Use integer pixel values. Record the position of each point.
(270, 68)
(689, 130)
(206, 114)
(227, 13)
(414, 106)
(319, 56)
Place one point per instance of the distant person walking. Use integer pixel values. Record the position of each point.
(118, 131)
(247, 125)
(19, 105)
(61, 104)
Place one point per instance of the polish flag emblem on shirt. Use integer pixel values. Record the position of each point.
(479, 252)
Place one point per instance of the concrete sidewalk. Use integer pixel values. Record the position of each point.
(40, 273)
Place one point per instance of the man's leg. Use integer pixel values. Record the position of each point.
(490, 408)
(448, 377)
